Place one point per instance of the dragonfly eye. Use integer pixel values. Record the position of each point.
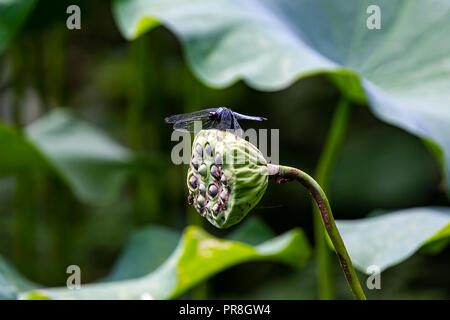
(213, 114)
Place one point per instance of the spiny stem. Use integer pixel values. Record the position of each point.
(327, 160)
(284, 174)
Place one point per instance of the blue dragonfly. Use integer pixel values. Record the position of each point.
(213, 118)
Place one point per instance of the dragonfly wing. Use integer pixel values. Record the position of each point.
(237, 128)
(194, 124)
(236, 124)
(225, 122)
(245, 117)
(184, 126)
(205, 113)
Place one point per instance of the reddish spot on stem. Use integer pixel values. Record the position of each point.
(345, 268)
(320, 203)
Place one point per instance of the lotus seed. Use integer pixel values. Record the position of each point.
(203, 170)
(209, 205)
(223, 179)
(193, 182)
(201, 201)
(213, 190)
(218, 158)
(215, 171)
(202, 188)
(199, 150)
(208, 150)
(195, 163)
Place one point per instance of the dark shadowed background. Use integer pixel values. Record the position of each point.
(126, 89)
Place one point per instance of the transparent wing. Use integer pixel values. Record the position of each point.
(225, 121)
(245, 117)
(195, 124)
(205, 113)
(236, 124)
(237, 128)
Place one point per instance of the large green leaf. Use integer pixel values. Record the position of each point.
(403, 68)
(144, 252)
(197, 257)
(391, 238)
(149, 247)
(12, 15)
(91, 163)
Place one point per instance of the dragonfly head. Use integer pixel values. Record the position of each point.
(213, 114)
(221, 111)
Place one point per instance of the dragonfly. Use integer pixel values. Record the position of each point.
(214, 118)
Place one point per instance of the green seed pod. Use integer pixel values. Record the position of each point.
(230, 180)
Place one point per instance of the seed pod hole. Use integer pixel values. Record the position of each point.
(208, 150)
(203, 170)
(213, 190)
(199, 150)
(193, 182)
(218, 159)
(200, 201)
(195, 163)
(215, 209)
(190, 199)
(215, 172)
(224, 179)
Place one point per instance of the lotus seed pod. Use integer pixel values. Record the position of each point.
(235, 173)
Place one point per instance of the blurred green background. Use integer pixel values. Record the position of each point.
(126, 89)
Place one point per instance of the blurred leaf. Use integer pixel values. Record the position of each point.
(197, 257)
(391, 238)
(385, 168)
(253, 231)
(92, 164)
(417, 279)
(12, 15)
(271, 44)
(17, 154)
(149, 247)
(37, 295)
(11, 282)
(144, 252)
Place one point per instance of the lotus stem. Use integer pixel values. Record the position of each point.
(324, 170)
(283, 174)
